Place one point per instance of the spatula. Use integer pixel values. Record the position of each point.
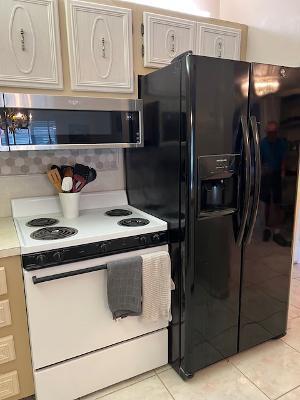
(78, 183)
(58, 169)
(67, 184)
(55, 178)
(81, 169)
(92, 175)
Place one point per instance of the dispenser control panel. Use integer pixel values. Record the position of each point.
(218, 185)
(217, 165)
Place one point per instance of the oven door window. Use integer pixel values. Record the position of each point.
(40, 127)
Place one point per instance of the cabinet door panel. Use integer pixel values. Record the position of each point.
(165, 38)
(23, 51)
(100, 47)
(30, 41)
(218, 41)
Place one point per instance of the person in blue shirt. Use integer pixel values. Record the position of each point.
(273, 150)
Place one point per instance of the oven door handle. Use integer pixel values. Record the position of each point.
(54, 277)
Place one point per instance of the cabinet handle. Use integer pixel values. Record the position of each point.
(22, 39)
(173, 43)
(103, 47)
(219, 48)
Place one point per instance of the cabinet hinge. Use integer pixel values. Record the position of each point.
(142, 29)
(143, 50)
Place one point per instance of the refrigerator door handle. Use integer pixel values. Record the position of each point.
(257, 178)
(247, 159)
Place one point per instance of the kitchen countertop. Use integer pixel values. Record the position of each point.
(9, 243)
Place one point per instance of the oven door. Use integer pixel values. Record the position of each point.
(34, 122)
(70, 317)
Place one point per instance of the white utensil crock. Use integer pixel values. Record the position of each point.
(69, 204)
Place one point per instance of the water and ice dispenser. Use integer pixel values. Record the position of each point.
(218, 185)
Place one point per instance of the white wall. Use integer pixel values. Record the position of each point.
(205, 8)
(274, 28)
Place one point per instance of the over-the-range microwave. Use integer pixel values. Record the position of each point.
(38, 122)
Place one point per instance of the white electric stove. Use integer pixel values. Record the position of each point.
(77, 348)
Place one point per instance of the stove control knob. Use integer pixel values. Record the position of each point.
(58, 256)
(143, 240)
(40, 259)
(103, 247)
(156, 238)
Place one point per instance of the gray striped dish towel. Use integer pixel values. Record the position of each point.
(157, 286)
(124, 287)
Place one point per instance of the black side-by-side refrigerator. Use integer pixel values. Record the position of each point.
(220, 165)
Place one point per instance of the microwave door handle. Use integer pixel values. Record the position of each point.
(247, 160)
(55, 277)
(257, 179)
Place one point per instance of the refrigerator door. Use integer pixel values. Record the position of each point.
(219, 98)
(267, 251)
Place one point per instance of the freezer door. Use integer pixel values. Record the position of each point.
(267, 251)
(213, 255)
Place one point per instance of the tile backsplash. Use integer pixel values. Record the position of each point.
(38, 162)
(23, 174)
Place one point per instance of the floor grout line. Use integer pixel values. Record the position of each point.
(289, 345)
(253, 383)
(280, 397)
(297, 316)
(122, 388)
(165, 385)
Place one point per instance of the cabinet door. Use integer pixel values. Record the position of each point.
(218, 41)
(30, 44)
(100, 47)
(165, 38)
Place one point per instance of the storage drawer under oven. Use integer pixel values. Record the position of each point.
(70, 316)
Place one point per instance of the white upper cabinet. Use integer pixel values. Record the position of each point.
(100, 47)
(165, 38)
(218, 41)
(30, 44)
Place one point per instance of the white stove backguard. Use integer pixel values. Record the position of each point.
(32, 206)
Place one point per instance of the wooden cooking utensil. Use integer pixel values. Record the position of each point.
(58, 169)
(68, 172)
(55, 178)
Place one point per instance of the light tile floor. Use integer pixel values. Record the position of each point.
(269, 371)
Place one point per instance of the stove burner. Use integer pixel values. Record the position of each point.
(42, 222)
(53, 233)
(134, 222)
(118, 212)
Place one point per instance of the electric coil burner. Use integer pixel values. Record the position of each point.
(42, 222)
(53, 233)
(118, 212)
(134, 222)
